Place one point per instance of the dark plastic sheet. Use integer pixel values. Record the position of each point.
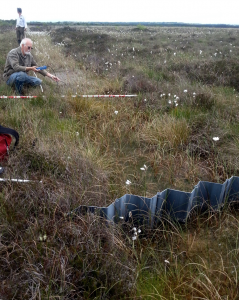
(173, 204)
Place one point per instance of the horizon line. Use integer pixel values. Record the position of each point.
(133, 22)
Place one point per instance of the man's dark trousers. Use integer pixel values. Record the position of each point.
(20, 34)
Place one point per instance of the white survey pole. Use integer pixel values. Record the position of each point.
(40, 84)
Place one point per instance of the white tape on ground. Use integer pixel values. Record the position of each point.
(104, 96)
(73, 96)
(18, 180)
(100, 96)
(17, 97)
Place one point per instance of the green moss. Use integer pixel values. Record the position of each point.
(44, 165)
(150, 285)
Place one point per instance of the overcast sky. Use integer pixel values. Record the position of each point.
(187, 11)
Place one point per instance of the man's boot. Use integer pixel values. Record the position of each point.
(19, 42)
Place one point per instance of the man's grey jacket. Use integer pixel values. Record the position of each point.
(17, 62)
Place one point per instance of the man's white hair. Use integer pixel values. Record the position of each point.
(24, 41)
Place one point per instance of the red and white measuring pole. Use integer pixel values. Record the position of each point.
(74, 96)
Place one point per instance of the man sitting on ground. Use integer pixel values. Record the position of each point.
(19, 62)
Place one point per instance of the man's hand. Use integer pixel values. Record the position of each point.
(53, 77)
(32, 69)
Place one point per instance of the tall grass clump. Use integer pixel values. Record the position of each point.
(166, 132)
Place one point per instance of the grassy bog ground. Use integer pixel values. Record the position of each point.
(85, 150)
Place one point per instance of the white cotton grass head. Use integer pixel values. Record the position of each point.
(128, 182)
(166, 261)
(215, 138)
(116, 112)
(135, 233)
(42, 238)
(144, 168)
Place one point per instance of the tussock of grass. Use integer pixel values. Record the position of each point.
(166, 132)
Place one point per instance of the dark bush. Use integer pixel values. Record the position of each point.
(138, 83)
(204, 100)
